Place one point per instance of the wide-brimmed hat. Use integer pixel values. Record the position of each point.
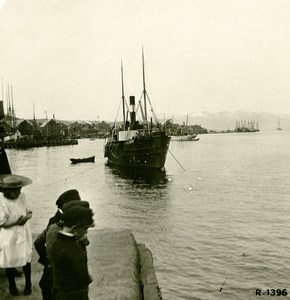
(67, 196)
(8, 181)
(78, 216)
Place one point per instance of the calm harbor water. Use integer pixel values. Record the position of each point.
(218, 229)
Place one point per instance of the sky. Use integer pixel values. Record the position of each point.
(64, 57)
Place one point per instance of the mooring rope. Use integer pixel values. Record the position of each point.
(176, 160)
(66, 178)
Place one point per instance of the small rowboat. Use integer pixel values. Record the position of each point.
(82, 160)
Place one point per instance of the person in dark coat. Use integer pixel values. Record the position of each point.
(45, 282)
(53, 229)
(71, 278)
(40, 241)
(4, 164)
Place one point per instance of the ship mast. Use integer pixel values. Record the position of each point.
(34, 119)
(2, 115)
(144, 88)
(9, 106)
(13, 112)
(123, 97)
(2, 88)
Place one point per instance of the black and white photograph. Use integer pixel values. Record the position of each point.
(144, 149)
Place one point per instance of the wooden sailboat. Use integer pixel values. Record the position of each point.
(185, 137)
(4, 163)
(137, 143)
(244, 126)
(278, 127)
(185, 134)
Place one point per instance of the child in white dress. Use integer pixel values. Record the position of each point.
(15, 232)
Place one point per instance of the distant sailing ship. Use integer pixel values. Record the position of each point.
(279, 128)
(244, 126)
(137, 143)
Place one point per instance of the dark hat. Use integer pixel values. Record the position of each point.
(67, 196)
(8, 181)
(78, 216)
(75, 203)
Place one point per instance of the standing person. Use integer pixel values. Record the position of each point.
(4, 164)
(5, 169)
(40, 243)
(54, 229)
(68, 260)
(65, 197)
(15, 232)
(51, 237)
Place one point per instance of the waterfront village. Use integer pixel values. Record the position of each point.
(22, 133)
(27, 133)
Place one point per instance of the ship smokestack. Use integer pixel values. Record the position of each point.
(132, 111)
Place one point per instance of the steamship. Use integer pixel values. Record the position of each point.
(137, 142)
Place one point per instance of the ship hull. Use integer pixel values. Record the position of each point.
(145, 153)
(184, 138)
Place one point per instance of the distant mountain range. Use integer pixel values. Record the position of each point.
(226, 120)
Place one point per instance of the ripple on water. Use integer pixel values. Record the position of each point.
(221, 223)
